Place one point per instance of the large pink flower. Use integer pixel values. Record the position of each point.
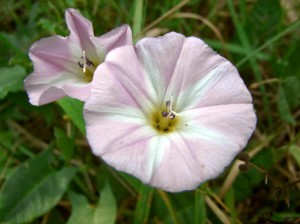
(169, 111)
(65, 65)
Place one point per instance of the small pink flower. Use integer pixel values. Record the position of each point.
(169, 111)
(65, 65)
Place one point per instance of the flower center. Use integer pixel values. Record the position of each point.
(166, 120)
(88, 67)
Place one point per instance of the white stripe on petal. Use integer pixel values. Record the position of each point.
(155, 155)
(159, 57)
(222, 85)
(189, 97)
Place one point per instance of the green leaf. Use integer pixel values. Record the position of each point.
(35, 169)
(138, 16)
(84, 213)
(74, 109)
(265, 18)
(106, 210)
(246, 182)
(230, 202)
(33, 189)
(143, 205)
(7, 138)
(11, 79)
(283, 107)
(200, 210)
(64, 143)
(291, 86)
(295, 151)
(245, 41)
(280, 35)
(233, 48)
(131, 180)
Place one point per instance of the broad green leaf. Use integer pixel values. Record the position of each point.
(33, 189)
(106, 211)
(74, 109)
(283, 107)
(84, 213)
(34, 169)
(143, 205)
(11, 79)
(8, 44)
(64, 143)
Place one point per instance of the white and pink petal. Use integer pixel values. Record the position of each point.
(45, 89)
(120, 36)
(81, 33)
(221, 86)
(215, 108)
(59, 61)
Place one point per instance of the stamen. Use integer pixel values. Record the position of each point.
(84, 61)
(89, 63)
(80, 65)
(166, 120)
(168, 104)
(164, 114)
(170, 114)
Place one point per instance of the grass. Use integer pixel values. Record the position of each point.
(260, 37)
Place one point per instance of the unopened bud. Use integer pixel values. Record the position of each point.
(244, 167)
(244, 157)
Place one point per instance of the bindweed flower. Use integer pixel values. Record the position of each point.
(169, 111)
(65, 65)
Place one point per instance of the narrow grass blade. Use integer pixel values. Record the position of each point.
(200, 210)
(143, 205)
(217, 211)
(269, 42)
(229, 200)
(246, 44)
(168, 204)
(138, 16)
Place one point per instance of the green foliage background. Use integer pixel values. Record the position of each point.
(47, 171)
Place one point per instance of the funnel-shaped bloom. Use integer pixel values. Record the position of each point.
(169, 111)
(65, 65)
